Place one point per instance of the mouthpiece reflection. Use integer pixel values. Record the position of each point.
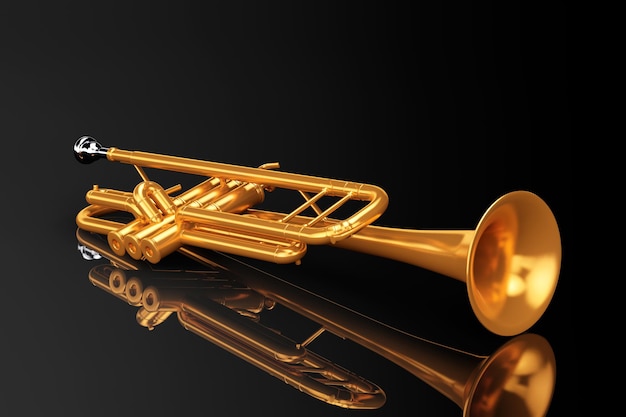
(87, 253)
(224, 300)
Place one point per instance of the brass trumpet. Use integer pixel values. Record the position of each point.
(510, 262)
(517, 378)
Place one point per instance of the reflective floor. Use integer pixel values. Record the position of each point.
(440, 112)
(230, 303)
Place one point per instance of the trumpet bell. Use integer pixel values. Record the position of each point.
(514, 263)
(510, 262)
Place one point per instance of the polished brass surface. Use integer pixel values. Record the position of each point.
(510, 262)
(517, 378)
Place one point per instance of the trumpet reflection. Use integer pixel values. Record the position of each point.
(223, 302)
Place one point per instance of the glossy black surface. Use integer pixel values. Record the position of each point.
(479, 96)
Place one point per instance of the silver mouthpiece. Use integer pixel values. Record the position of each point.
(87, 150)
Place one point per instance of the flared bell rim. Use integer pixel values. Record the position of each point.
(531, 267)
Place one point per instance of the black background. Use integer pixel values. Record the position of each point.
(445, 107)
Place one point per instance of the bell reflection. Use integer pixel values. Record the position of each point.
(517, 380)
(224, 304)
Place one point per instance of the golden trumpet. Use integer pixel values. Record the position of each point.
(510, 262)
(518, 378)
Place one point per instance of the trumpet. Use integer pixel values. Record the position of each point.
(518, 377)
(510, 262)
